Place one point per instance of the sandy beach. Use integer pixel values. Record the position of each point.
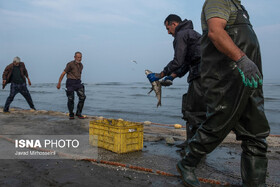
(222, 165)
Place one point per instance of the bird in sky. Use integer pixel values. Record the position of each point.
(134, 61)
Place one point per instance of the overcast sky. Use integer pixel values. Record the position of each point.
(111, 34)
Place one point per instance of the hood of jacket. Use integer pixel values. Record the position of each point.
(184, 25)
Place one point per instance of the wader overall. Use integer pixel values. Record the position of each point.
(193, 105)
(72, 86)
(231, 105)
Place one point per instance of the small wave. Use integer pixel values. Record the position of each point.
(6, 90)
(176, 88)
(146, 88)
(272, 85)
(111, 84)
(179, 97)
(274, 124)
(41, 92)
(41, 85)
(175, 116)
(139, 95)
(271, 99)
(138, 83)
(272, 110)
(140, 87)
(121, 112)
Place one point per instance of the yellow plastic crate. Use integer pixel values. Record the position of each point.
(118, 136)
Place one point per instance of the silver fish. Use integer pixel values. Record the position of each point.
(156, 86)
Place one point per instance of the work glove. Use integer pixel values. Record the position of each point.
(168, 78)
(153, 77)
(167, 81)
(249, 72)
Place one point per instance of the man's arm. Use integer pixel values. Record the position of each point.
(24, 70)
(26, 74)
(221, 39)
(248, 70)
(180, 51)
(29, 82)
(4, 77)
(5, 73)
(182, 71)
(60, 79)
(4, 84)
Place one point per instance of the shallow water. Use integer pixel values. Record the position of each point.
(130, 101)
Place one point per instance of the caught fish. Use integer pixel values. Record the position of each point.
(156, 86)
(166, 82)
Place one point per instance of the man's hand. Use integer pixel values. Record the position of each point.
(29, 82)
(4, 84)
(168, 80)
(58, 85)
(60, 79)
(249, 72)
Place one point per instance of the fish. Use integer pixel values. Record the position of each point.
(166, 82)
(156, 87)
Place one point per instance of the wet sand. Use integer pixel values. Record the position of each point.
(221, 165)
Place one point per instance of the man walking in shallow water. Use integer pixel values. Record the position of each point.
(74, 84)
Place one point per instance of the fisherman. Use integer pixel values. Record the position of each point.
(73, 83)
(231, 72)
(186, 59)
(16, 74)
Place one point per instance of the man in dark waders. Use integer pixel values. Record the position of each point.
(74, 84)
(187, 58)
(231, 73)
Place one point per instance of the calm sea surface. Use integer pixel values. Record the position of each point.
(130, 101)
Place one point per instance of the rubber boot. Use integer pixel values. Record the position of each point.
(187, 174)
(253, 171)
(70, 103)
(82, 98)
(80, 107)
(190, 131)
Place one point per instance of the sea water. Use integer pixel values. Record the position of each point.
(130, 101)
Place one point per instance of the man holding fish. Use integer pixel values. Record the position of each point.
(186, 59)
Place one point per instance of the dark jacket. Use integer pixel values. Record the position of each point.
(187, 54)
(9, 70)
